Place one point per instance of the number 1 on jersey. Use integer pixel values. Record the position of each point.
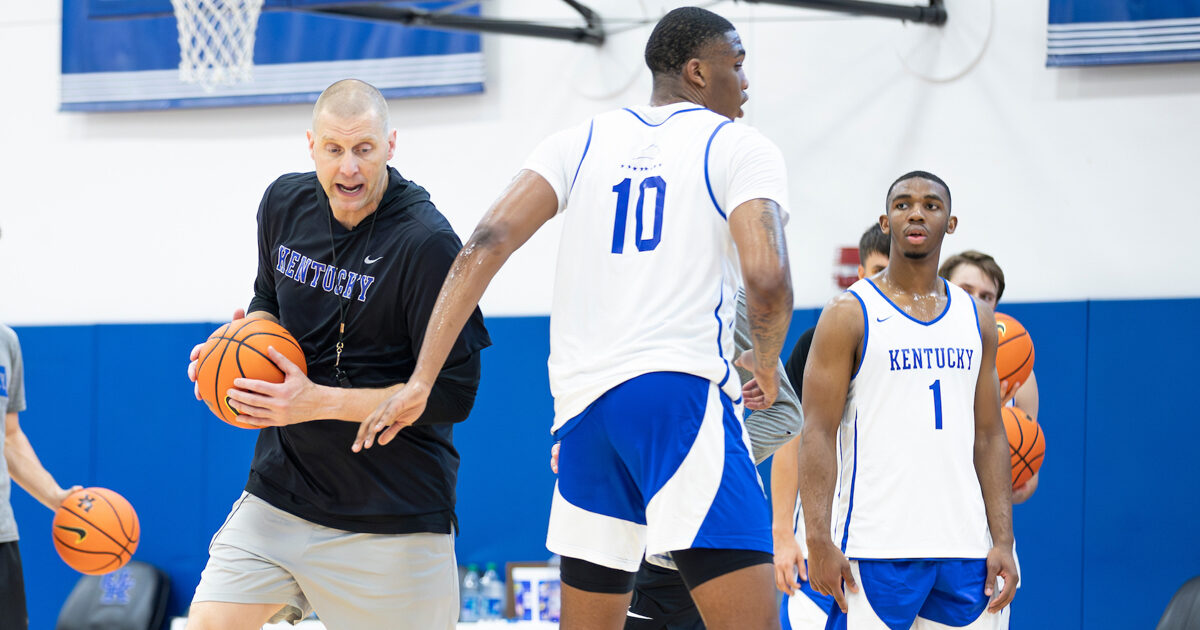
(623, 189)
(937, 403)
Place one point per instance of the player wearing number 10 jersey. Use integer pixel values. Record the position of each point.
(647, 276)
(666, 209)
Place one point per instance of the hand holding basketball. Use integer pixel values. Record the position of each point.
(265, 403)
(241, 350)
(60, 496)
(194, 366)
(1021, 493)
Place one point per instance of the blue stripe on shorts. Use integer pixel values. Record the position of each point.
(623, 449)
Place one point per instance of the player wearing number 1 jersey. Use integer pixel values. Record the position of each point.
(901, 392)
(666, 207)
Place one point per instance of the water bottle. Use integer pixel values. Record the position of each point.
(471, 595)
(492, 589)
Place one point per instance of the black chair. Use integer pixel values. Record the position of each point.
(1183, 611)
(133, 597)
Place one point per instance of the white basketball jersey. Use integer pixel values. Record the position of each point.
(647, 272)
(907, 486)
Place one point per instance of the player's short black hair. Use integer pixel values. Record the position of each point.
(680, 35)
(910, 175)
(874, 241)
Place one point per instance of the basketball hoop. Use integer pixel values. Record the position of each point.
(216, 40)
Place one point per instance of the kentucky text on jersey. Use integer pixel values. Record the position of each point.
(930, 358)
(303, 269)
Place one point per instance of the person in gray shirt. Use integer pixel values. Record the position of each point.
(21, 465)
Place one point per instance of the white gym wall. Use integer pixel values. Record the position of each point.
(1077, 180)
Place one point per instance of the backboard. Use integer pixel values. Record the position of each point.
(124, 55)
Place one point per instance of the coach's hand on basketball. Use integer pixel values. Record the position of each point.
(194, 366)
(1000, 562)
(827, 569)
(761, 391)
(398, 411)
(267, 404)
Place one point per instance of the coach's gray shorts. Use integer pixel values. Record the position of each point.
(263, 555)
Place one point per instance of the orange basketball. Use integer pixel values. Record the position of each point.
(96, 531)
(1026, 443)
(239, 349)
(1014, 351)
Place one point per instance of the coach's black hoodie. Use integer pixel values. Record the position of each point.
(386, 276)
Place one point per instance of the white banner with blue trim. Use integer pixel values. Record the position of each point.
(1105, 32)
(124, 55)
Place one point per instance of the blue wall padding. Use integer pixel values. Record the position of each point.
(1141, 503)
(1103, 544)
(1049, 527)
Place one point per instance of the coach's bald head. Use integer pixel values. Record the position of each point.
(351, 98)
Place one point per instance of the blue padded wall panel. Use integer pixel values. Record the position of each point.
(504, 480)
(1104, 542)
(1049, 527)
(151, 447)
(1143, 432)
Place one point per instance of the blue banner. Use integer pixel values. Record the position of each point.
(124, 55)
(1106, 32)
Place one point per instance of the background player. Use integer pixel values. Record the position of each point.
(902, 378)
(640, 330)
(980, 275)
(873, 247)
(804, 608)
(21, 464)
(351, 258)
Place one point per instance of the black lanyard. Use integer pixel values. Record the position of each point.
(343, 379)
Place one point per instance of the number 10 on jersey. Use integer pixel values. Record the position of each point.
(623, 191)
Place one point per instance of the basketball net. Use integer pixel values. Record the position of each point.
(216, 40)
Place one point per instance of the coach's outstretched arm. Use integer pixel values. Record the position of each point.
(993, 467)
(757, 229)
(523, 207)
(831, 363)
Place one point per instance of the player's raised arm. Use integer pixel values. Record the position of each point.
(993, 467)
(832, 361)
(523, 207)
(757, 229)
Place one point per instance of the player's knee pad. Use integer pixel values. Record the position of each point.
(698, 566)
(593, 578)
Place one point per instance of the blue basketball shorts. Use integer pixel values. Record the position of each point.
(658, 463)
(929, 594)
